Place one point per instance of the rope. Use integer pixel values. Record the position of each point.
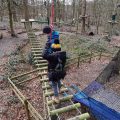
(52, 16)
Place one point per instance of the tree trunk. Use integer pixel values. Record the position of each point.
(33, 8)
(63, 11)
(25, 2)
(73, 6)
(10, 18)
(83, 16)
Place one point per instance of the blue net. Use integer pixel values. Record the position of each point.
(99, 110)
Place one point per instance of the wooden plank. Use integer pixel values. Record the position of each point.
(48, 86)
(37, 54)
(27, 110)
(81, 117)
(28, 80)
(38, 58)
(17, 92)
(44, 80)
(36, 48)
(52, 93)
(35, 51)
(43, 68)
(65, 109)
(39, 65)
(24, 74)
(44, 73)
(63, 99)
(34, 113)
(41, 61)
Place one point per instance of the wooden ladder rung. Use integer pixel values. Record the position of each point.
(45, 73)
(63, 99)
(43, 68)
(52, 93)
(48, 86)
(36, 49)
(65, 109)
(37, 54)
(44, 80)
(40, 61)
(35, 43)
(38, 58)
(83, 116)
(45, 64)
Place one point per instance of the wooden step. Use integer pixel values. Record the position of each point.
(38, 58)
(52, 93)
(35, 43)
(83, 116)
(48, 86)
(43, 68)
(65, 109)
(36, 48)
(44, 80)
(36, 51)
(37, 54)
(40, 65)
(40, 61)
(63, 99)
(44, 73)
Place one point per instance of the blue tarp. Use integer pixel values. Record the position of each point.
(98, 109)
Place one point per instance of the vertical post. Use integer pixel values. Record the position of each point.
(100, 55)
(27, 110)
(78, 61)
(90, 57)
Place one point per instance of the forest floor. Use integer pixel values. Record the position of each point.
(10, 107)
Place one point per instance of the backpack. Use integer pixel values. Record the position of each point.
(59, 71)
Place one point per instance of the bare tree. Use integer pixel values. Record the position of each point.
(10, 18)
(25, 2)
(83, 16)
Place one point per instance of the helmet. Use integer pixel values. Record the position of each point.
(47, 30)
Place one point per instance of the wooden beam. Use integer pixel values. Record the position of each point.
(28, 80)
(38, 58)
(81, 117)
(44, 80)
(24, 74)
(52, 93)
(43, 68)
(45, 64)
(65, 109)
(40, 61)
(36, 48)
(67, 98)
(44, 73)
(17, 92)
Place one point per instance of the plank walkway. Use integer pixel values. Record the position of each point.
(51, 108)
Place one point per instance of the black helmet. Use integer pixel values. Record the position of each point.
(47, 30)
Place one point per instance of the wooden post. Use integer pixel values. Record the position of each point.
(90, 57)
(100, 55)
(27, 110)
(78, 61)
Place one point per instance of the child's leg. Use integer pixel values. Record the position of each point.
(59, 84)
(55, 88)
